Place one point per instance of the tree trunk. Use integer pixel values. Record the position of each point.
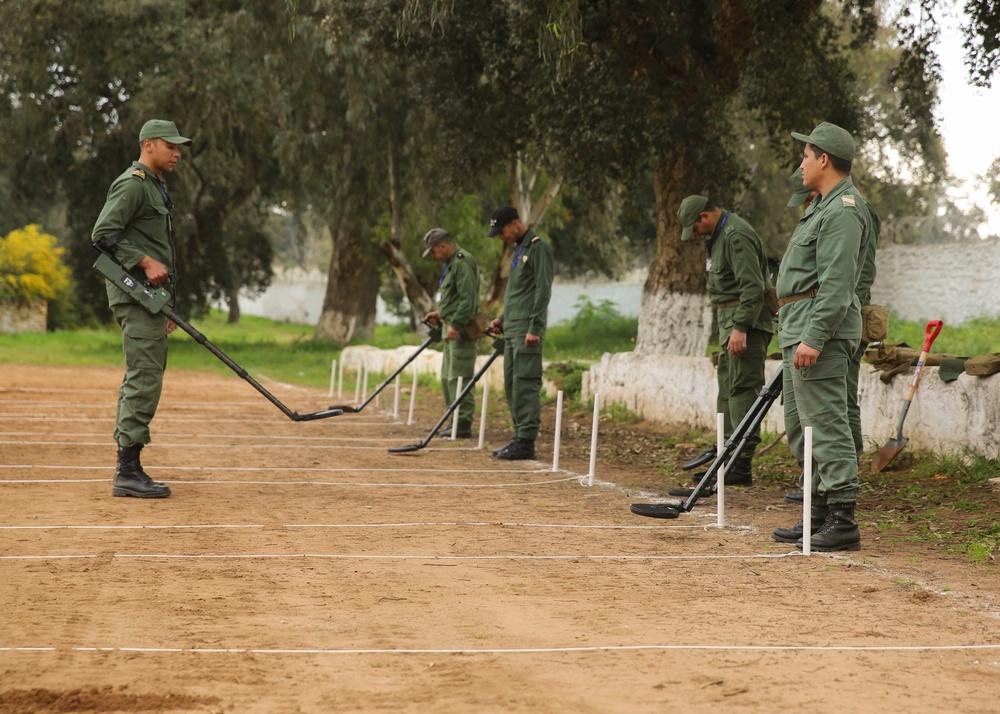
(233, 300)
(420, 302)
(520, 192)
(352, 286)
(675, 316)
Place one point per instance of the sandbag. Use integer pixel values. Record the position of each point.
(983, 365)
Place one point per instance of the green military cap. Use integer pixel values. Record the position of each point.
(799, 192)
(831, 139)
(688, 213)
(162, 129)
(433, 237)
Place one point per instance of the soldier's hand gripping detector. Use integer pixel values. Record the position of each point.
(156, 300)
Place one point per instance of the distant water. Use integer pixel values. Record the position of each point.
(302, 301)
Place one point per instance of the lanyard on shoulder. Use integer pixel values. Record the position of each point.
(717, 233)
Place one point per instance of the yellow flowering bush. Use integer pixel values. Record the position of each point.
(31, 265)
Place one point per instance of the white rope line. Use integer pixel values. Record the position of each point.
(428, 524)
(518, 650)
(351, 556)
(159, 434)
(280, 469)
(160, 445)
(243, 482)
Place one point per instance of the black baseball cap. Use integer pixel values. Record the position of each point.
(501, 217)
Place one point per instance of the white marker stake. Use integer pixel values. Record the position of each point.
(340, 379)
(807, 492)
(333, 376)
(482, 416)
(413, 397)
(395, 402)
(720, 476)
(558, 438)
(593, 439)
(454, 415)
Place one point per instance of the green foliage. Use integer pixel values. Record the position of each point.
(594, 330)
(31, 266)
(568, 377)
(973, 337)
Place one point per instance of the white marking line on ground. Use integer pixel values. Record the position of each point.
(271, 418)
(281, 469)
(175, 481)
(519, 650)
(448, 524)
(352, 556)
(161, 445)
(179, 435)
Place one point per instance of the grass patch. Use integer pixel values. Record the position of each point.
(594, 330)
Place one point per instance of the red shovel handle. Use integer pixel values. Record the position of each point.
(933, 330)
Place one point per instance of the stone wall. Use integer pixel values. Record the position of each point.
(950, 281)
(953, 417)
(18, 316)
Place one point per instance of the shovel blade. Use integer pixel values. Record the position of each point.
(887, 453)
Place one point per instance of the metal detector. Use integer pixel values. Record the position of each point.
(155, 300)
(354, 410)
(730, 452)
(497, 351)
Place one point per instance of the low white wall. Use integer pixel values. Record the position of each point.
(946, 417)
(385, 362)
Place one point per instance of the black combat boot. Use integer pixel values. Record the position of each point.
(131, 480)
(464, 432)
(739, 474)
(518, 450)
(496, 452)
(794, 534)
(839, 532)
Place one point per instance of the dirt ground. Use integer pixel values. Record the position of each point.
(300, 567)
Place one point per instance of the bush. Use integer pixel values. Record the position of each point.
(31, 266)
(594, 330)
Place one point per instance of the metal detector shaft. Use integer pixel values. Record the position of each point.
(734, 445)
(206, 343)
(155, 299)
(355, 410)
(451, 409)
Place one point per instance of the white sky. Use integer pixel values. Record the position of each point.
(968, 116)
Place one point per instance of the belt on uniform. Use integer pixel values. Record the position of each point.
(800, 296)
(731, 303)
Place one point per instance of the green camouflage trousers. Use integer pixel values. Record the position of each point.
(522, 381)
(144, 342)
(459, 360)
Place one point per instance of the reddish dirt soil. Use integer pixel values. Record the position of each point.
(300, 567)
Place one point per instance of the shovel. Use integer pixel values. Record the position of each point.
(892, 447)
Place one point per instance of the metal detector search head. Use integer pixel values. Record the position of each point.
(156, 300)
(454, 405)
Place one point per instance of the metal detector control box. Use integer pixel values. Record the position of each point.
(150, 297)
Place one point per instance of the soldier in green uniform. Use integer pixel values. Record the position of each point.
(820, 329)
(802, 196)
(458, 304)
(523, 322)
(136, 223)
(737, 283)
